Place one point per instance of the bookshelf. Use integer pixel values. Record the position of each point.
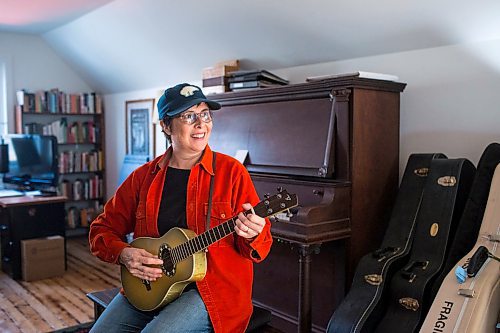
(77, 121)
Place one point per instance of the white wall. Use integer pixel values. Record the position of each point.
(450, 104)
(5, 88)
(31, 64)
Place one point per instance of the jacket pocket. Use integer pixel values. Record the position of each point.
(220, 213)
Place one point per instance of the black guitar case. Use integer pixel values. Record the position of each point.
(470, 223)
(362, 307)
(445, 193)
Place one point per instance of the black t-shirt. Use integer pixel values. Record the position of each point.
(172, 211)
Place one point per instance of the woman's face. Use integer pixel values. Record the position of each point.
(190, 138)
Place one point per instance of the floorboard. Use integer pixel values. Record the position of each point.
(52, 304)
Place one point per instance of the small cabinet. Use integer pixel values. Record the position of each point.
(26, 218)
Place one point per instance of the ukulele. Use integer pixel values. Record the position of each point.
(184, 257)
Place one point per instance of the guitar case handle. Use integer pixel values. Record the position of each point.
(408, 272)
(382, 254)
(478, 259)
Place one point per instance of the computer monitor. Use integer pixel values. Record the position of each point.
(32, 161)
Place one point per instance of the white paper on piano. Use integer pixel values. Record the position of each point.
(282, 217)
(361, 74)
(241, 155)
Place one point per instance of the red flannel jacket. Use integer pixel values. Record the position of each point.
(227, 286)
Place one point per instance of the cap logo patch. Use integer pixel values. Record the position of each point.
(188, 91)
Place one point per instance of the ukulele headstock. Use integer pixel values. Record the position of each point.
(277, 203)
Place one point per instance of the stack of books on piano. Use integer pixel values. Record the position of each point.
(215, 79)
(244, 80)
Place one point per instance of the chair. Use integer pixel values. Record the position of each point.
(260, 316)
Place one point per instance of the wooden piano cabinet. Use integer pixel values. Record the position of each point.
(335, 143)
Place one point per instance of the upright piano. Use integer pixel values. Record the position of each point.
(335, 143)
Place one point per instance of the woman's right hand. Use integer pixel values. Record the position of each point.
(139, 263)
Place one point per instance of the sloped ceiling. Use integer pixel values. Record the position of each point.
(35, 17)
(129, 45)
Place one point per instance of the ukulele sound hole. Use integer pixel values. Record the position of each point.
(165, 254)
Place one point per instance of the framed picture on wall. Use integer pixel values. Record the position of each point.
(139, 127)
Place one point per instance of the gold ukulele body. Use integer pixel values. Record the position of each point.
(167, 288)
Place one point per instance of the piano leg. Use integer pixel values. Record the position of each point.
(305, 319)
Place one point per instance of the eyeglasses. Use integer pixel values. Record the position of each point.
(190, 117)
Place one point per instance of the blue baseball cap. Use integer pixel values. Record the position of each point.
(181, 97)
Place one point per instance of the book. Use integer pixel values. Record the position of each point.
(19, 119)
(256, 75)
(20, 97)
(40, 102)
(360, 74)
(215, 81)
(214, 90)
(253, 84)
(29, 102)
(84, 217)
(72, 217)
(56, 102)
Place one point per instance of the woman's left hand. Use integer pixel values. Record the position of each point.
(249, 226)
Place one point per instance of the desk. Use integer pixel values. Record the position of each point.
(27, 217)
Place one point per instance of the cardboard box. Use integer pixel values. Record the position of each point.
(232, 62)
(218, 71)
(42, 258)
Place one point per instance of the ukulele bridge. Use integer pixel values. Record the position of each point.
(165, 254)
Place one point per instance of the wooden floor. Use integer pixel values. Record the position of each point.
(52, 304)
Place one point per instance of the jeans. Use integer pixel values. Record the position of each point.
(186, 314)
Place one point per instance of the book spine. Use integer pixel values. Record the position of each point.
(19, 119)
(215, 81)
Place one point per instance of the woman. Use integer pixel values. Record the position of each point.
(173, 191)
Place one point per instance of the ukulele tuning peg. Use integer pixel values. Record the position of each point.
(267, 195)
(289, 213)
(280, 189)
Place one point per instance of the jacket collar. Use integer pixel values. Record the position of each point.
(207, 160)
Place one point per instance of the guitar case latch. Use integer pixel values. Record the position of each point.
(374, 279)
(409, 303)
(469, 293)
